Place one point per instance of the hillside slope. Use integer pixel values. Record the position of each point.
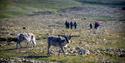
(24, 7)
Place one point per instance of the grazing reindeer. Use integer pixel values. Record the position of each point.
(58, 41)
(25, 37)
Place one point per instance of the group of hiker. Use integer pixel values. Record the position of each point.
(71, 25)
(94, 25)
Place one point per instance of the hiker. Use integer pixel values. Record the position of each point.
(96, 25)
(71, 25)
(67, 25)
(90, 25)
(75, 25)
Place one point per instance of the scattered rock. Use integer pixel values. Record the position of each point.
(81, 51)
(113, 52)
(120, 52)
(24, 27)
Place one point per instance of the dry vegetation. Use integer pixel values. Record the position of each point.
(107, 37)
(104, 45)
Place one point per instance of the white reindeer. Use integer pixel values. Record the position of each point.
(25, 37)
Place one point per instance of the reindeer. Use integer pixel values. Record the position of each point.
(58, 41)
(25, 37)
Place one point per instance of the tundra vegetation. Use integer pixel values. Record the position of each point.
(47, 17)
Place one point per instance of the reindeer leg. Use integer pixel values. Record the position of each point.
(20, 45)
(33, 43)
(27, 44)
(17, 45)
(48, 50)
(62, 50)
(59, 52)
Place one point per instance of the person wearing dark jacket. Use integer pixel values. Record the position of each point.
(71, 25)
(96, 25)
(75, 25)
(90, 25)
(67, 25)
